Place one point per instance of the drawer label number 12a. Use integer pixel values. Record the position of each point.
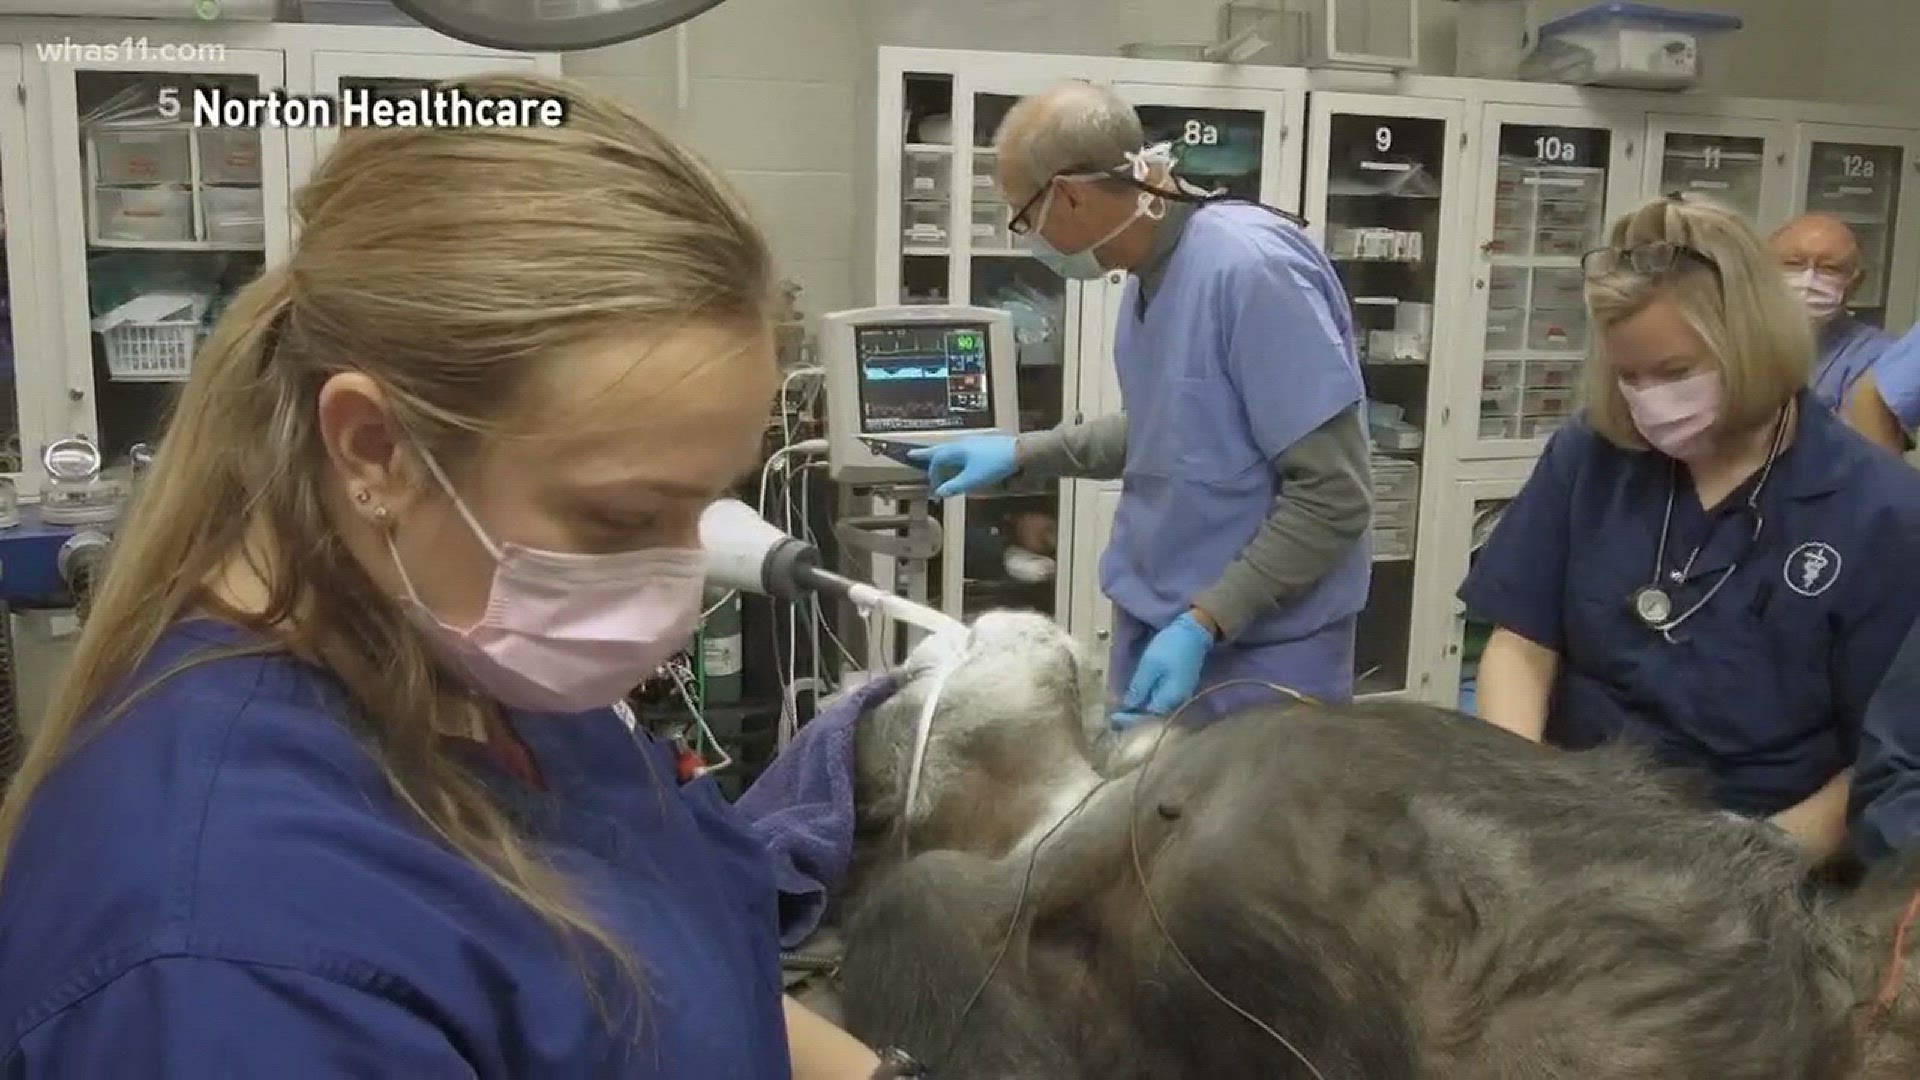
(1556, 149)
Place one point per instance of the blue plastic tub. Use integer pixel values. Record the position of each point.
(1638, 46)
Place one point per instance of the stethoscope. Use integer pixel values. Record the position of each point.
(1652, 603)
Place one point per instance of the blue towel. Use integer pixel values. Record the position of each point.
(801, 808)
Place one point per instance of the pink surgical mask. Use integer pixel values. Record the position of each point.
(1823, 292)
(564, 632)
(1677, 418)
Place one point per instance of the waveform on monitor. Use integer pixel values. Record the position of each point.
(888, 374)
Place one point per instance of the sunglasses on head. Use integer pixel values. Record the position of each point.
(1656, 259)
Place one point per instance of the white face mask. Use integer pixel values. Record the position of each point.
(1822, 291)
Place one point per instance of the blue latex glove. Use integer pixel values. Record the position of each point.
(1169, 670)
(966, 465)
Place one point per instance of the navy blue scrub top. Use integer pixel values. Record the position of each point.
(220, 884)
(1764, 688)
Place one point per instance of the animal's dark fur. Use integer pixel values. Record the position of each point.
(1400, 891)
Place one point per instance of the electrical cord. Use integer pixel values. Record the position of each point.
(1139, 777)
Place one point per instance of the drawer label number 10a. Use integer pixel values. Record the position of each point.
(1555, 149)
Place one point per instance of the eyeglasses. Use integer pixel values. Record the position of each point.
(1021, 223)
(1656, 259)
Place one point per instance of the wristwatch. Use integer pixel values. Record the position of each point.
(896, 1064)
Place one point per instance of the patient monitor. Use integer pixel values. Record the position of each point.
(904, 377)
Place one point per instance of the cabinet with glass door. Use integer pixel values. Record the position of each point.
(1864, 177)
(1741, 164)
(170, 220)
(1549, 184)
(1004, 547)
(20, 432)
(1474, 511)
(1381, 197)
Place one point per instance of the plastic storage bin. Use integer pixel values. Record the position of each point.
(152, 337)
(1552, 374)
(1394, 480)
(924, 224)
(924, 176)
(1397, 514)
(229, 155)
(143, 155)
(990, 227)
(1392, 544)
(985, 181)
(1561, 289)
(1563, 243)
(1506, 329)
(1551, 402)
(1512, 238)
(234, 215)
(1498, 375)
(144, 213)
(1507, 287)
(1539, 427)
(1562, 330)
(1638, 46)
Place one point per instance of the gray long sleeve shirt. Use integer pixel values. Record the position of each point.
(1325, 499)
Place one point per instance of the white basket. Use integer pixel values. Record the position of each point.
(152, 352)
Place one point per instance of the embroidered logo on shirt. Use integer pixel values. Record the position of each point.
(1812, 568)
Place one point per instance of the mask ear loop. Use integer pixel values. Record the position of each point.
(1143, 162)
(460, 504)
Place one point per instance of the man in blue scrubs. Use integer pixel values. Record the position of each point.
(1886, 406)
(1820, 256)
(1239, 546)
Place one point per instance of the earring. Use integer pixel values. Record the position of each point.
(363, 496)
(380, 515)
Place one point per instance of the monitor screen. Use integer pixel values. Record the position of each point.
(923, 377)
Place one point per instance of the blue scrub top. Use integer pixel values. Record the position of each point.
(1764, 688)
(220, 884)
(1886, 781)
(1849, 348)
(1246, 347)
(1898, 377)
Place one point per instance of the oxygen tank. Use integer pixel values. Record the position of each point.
(721, 649)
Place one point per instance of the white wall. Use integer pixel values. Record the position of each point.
(772, 86)
(1871, 46)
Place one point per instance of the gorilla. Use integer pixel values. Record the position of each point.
(1366, 892)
